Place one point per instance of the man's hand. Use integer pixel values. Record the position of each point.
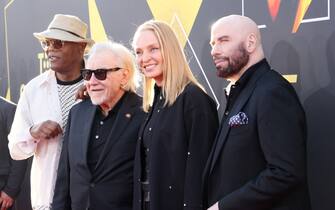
(214, 207)
(5, 201)
(82, 93)
(46, 130)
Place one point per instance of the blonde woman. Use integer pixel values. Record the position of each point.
(175, 140)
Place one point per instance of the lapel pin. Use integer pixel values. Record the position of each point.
(128, 115)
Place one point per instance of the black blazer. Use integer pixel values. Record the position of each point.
(261, 165)
(178, 152)
(110, 186)
(11, 171)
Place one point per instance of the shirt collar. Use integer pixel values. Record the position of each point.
(243, 80)
(249, 72)
(116, 107)
(47, 77)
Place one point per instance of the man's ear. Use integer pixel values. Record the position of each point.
(251, 42)
(125, 77)
(82, 48)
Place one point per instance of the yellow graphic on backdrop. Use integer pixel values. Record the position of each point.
(98, 32)
(292, 78)
(301, 11)
(181, 14)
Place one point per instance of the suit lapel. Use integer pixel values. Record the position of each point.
(122, 120)
(87, 116)
(240, 102)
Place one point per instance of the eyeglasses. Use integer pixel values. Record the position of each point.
(100, 74)
(55, 43)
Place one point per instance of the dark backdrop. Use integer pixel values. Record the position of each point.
(308, 53)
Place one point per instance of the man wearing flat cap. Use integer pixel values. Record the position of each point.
(44, 104)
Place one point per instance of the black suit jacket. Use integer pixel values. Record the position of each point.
(110, 185)
(11, 171)
(179, 149)
(261, 165)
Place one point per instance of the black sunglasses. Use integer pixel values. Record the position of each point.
(100, 74)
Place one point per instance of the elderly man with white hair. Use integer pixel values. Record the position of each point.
(96, 165)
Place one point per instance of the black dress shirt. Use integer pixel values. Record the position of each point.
(100, 131)
(236, 88)
(147, 138)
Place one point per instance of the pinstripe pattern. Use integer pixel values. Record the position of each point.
(67, 99)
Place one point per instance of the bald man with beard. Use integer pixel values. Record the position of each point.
(258, 161)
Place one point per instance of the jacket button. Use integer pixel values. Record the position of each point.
(226, 113)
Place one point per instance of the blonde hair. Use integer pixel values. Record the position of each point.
(125, 58)
(176, 71)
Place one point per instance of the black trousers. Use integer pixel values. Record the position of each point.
(145, 196)
(145, 205)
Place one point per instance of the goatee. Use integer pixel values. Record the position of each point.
(236, 62)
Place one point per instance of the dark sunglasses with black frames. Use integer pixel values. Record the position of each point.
(100, 74)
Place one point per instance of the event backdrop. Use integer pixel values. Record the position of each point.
(298, 37)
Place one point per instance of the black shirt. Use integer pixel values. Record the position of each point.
(147, 135)
(237, 88)
(101, 129)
